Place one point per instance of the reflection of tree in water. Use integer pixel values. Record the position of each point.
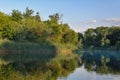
(102, 62)
(38, 68)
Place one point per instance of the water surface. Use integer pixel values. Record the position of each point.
(97, 65)
(82, 74)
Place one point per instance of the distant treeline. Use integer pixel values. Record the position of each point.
(102, 37)
(28, 27)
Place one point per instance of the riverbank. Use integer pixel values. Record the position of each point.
(11, 46)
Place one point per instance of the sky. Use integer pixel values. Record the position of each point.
(79, 14)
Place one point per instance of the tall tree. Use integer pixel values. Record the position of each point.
(89, 37)
(16, 15)
(55, 17)
(4, 21)
(28, 13)
(37, 17)
(102, 33)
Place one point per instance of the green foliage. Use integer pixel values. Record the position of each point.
(37, 17)
(16, 15)
(70, 37)
(89, 37)
(102, 37)
(28, 13)
(4, 21)
(55, 17)
(28, 27)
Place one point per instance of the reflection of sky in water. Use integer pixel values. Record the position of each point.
(83, 74)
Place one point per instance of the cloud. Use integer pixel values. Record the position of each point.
(116, 20)
(88, 22)
(93, 21)
(84, 25)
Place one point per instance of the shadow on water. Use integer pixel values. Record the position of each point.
(14, 52)
(34, 62)
(103, 62)
(25, 58)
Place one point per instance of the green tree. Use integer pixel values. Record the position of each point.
(70, 37)
(114, 35)
(80, 39)
(89, 38)
(55, 17)
(4, 21)
(16, 15)
(28, 13)
(102, 33)
(37, 17)
(54, 32)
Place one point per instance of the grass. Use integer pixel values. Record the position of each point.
(64, 48)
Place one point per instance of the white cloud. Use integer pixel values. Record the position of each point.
(93, 21)
(112, 20)
(84, 25)
(89, 22)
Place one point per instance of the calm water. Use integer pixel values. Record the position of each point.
(99, 65)
(95, 65)
(82, 74)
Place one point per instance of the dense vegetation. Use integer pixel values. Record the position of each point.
(32, 49)
(27, 27)
(102, 37)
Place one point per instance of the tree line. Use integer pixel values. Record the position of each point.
(104, 37)
(28, 27)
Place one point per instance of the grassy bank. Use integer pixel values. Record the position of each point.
(28, 46)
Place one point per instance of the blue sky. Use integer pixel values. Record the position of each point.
(79, 14)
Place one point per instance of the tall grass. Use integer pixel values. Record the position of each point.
(64, 48)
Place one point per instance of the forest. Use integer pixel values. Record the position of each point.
(103, 37)
(27, 27)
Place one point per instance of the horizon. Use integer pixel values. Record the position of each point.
(80, 15)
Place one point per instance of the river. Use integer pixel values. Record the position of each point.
(82, 74)
(95, 65)
(98, 65)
